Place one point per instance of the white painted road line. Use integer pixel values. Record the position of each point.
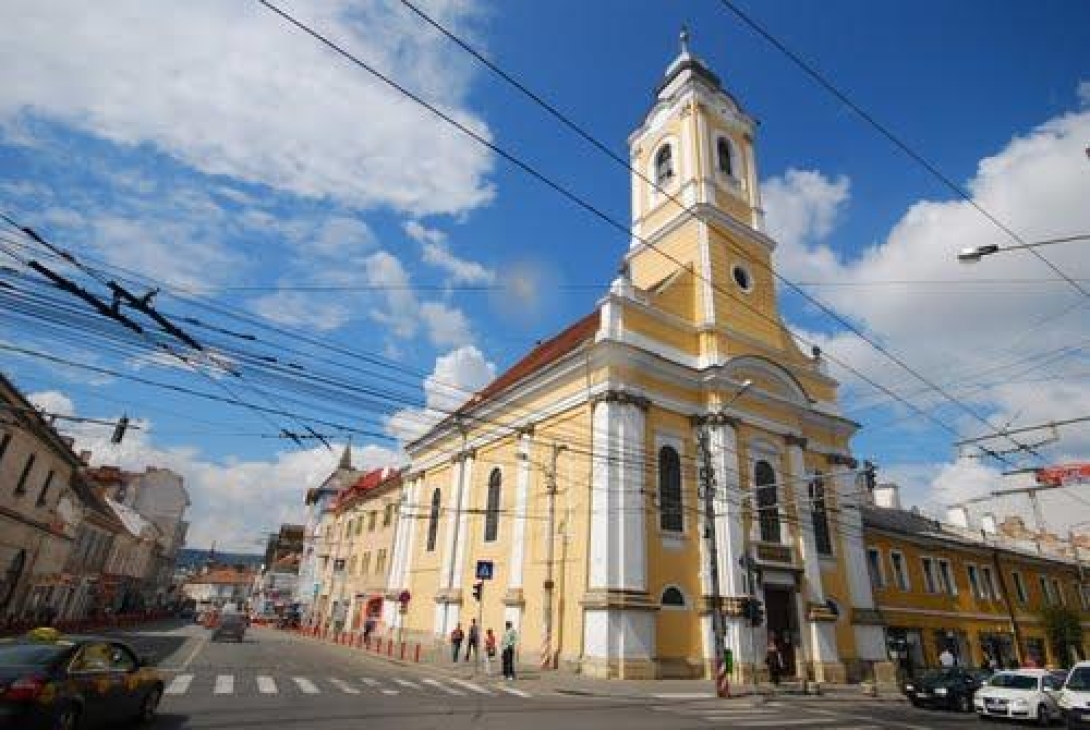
(225, 684)
(390, 692)
(406, 683)
(440, 685)
(685, 696)
(266, 685)
(512, 691)
(470, 686)
(779, 721)
(179, 685)
(305, 685)
(343, 686)
(370, 682)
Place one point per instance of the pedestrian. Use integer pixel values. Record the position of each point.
(489, 651)
(456, 638)
(473, 639)
(510, 641)
(368, 628)
(774, 659)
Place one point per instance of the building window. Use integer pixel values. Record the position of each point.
(1046, 591)
(874, 566)
(20, 487)
(365, 564)
(1084, 593)
(900, 570)
(974, 582)
(664, 166)
(931, 584)
(4, 441)
(433, 519)
(988, 584)
(949, 586)
(359, 525)
(372, 520)
(768, 502)
(723, 156)
(388, 515)
(45, 489)
(380, 562)
(1019, 587)
(672, 596)
(822, 540)
(492, 511)
(670, 517)
(1058, 592)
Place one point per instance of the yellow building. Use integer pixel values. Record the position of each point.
(977, 593)
(575, 473)
(358, 537)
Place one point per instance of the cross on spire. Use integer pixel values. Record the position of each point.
(684, 38)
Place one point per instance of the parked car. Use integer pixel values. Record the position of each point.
(1021, 694)
(230, 625)
(1074, 698)
(53, 681)
(950, 688)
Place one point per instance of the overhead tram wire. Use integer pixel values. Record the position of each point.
(597, 212)
(930, 167)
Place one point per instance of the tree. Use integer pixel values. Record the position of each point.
(1063, 630)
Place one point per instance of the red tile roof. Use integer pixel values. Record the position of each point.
(224, 576)
(367, 482)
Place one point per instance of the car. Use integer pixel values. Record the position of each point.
(54, 681)
(1074, 698)
(950, 688)
(1021, 694)
(230, 625)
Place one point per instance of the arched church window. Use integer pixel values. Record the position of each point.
(664, 165)
(433, 519)
(492, 511)
(723, 155)
(820, 515)
(768, 502)
(670, 518)
(672, 597)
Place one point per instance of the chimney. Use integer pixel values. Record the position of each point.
(958, 516)
(887, 495)
(988, 524)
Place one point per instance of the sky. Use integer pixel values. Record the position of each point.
(353, 264)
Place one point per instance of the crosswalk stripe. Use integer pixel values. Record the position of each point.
(343, 686)
(440, 685)
(179, 685)
(305, 685)
(406, 683)
(512, 691)
(778, 721)
(470, 686)
(370, 682)
(266, 685)
(225, 684)
(390, 692)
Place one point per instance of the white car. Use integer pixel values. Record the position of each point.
(1075, 698)
(1021, 694)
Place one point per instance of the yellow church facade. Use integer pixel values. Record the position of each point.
(579, 473)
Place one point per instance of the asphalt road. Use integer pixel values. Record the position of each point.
(278, 680)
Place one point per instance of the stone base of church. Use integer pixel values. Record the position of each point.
(619, 668)
(828, 672)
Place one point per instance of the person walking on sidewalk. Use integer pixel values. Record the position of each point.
(774, 659)
(510, 641)
(456, 638)
(489, 651)
(473, 639)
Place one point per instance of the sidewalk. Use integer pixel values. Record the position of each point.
(533, 679)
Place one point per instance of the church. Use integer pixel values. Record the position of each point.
(671, 452)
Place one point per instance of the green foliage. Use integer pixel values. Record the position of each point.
(1063, 630)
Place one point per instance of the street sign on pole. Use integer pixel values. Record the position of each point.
(484, 570)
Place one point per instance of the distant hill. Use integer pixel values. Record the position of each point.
(196, 557)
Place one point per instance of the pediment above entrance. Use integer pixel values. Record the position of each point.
(767, 377)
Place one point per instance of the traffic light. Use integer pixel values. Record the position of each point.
(478, 588)
(869, 476)
(756, 612)
(119, 430)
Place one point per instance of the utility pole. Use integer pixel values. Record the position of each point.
(547, 659)
(707, 485)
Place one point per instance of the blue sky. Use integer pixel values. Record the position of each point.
(230, 158)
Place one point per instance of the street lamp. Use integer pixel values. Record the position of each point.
(973, 254)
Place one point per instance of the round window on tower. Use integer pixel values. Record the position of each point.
(742, 277)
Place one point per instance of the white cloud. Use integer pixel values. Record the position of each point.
(455, 377)
(295, 309)
(234, 502)
(230, 89)
(422, 234)
(447, 327)
(1084, 94)
(1006, 349)
(438, 254)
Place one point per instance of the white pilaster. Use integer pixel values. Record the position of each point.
(463, 521)
(518, 536)
(869, 639)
